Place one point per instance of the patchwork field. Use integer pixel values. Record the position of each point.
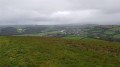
(21, 51)
(105, 32)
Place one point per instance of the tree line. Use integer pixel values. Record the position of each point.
(8, 31)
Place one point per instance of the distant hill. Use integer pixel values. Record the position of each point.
(70, 31)
(24, 51)
(104, 32)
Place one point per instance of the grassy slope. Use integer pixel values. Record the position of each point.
(19, 51)
(79, 37)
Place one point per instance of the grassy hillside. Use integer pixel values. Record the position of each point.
(20, 51)
(80, 37)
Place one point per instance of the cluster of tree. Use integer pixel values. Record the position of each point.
(7, 31)
(33, 30)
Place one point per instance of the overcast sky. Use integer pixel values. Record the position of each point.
(59, 12)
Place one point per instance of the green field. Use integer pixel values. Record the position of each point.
(40, 34)
(109, 32)
(115, 29)
(117, 36)
(21, 51)
(104, 32)
(79, 37)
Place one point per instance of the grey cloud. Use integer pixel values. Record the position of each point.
(59, 11)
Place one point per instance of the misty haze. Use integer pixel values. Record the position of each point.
(59, 33)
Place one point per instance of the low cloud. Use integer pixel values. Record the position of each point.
(59, 12)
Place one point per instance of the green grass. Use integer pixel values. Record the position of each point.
(109, 32)
(115, 29)
(79, 37)
(97, 31)
(91, 39)
(117, 36)
(74, 37)
(21, 51)
(40, 34)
